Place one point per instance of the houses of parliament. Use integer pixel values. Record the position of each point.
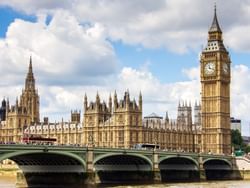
(119, 123)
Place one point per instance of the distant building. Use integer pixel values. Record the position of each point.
(235, 124)
(246, 140)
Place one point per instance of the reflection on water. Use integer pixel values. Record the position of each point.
(214, 184)
(6, 182)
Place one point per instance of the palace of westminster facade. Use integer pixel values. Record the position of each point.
(119, 123)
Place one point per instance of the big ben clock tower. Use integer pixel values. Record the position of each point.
(215, 92)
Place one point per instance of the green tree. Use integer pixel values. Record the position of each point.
(236, 138)
(247, 149)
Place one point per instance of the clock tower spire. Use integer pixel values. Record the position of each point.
(215, 92)
(215, 27)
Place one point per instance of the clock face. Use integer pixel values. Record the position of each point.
(209, 68)
(225, 68)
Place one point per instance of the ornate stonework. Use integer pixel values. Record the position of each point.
(30, 98)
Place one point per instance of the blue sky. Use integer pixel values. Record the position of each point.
(88, 46)
(8, 15)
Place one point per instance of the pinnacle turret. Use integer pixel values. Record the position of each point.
(140, 100)
(30, 66)
(85, 102)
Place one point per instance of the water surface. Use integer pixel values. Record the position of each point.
(8, 182)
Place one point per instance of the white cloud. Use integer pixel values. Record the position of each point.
(240, 91)
(192, 73)
(64, 52)
(177, 25)
(158, 97)
(237, 38)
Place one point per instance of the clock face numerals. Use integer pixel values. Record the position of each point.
(225, 68)
(210, 68)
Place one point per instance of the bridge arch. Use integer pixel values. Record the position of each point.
(98, 158)
(43, 167)
(11, 155)
(123, 167)
(179, 168)
(217, 169)
(184, 157)
(225, 161)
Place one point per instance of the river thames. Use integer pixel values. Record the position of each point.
(10, 183)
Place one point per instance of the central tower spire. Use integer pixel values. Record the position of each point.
(30, 80)
(30, 97)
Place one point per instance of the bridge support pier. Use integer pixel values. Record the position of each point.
(236, 173)
(20, 180)
(156, 170)
(92, 176)
(202, 171)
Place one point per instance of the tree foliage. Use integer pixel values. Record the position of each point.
(247, 149)
(236, 138)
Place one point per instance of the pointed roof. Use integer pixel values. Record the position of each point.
(215, 27)
(140, 96)
(30, 80)
(30, 75)
(166, 115)
(30, 65)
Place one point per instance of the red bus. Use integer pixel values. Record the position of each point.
(37, 139)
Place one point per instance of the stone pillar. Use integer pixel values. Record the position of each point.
(156, 170)
(20, 179)
(92, 176)
(236, 173)
(201, 169)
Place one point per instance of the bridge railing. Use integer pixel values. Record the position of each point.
(169, 151)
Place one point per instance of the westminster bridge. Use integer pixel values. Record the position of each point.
(103, 165)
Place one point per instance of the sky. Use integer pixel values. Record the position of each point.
(90, 46)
